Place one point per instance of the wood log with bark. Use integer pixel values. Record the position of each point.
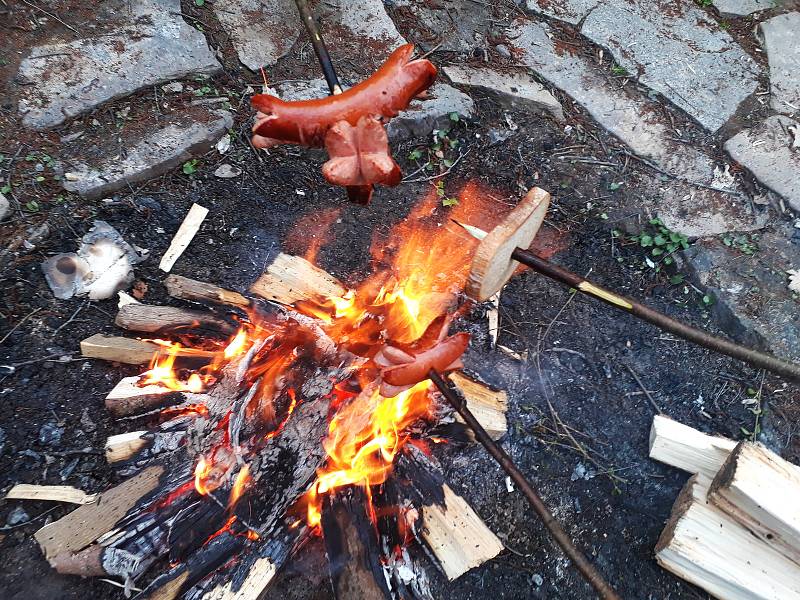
(153, 319)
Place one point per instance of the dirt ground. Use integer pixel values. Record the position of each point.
(581, 356)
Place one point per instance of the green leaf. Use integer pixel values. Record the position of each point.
(415, 154)
(447, 163)
(655, 222)
(454, 117)
(659, 240)
(657, 251)
(39, 179)
(32, 206)
(676, 279)
(199, 2)
(613, 186)
(668, 260)
(708, 300)
(449, 202)
(646, 241)
(190, 167)
(5, 189)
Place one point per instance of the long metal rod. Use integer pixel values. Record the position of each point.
(755, 358)
(319, 47)
(587, 569)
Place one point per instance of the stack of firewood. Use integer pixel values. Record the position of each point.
(735, 527)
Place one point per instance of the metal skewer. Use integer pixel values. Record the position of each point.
(586, 568)
(503, 248)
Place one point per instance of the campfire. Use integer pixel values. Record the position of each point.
(309, 414)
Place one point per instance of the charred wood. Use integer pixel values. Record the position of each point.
(169, 319)
(352, 547)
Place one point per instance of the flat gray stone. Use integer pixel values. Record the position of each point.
(455, 25)
(423, 116)
(681, 53)
(147, 43)
(512, 90)
(742, 8)
(368, 18)
(261, 31)
(753, 302)
(569, 11)
(781, 36)
(689, 209)
(771, 152)
(158, 152)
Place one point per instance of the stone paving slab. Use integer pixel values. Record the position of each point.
(753, 302)
(689, 209)
(454, 25)
(676, 50)
(741, 8)
(781, 37)
(264, 31)
(684, 55)
(771, 152)
(189, 134)
(261, 31)
(512, 90)
(148, 43)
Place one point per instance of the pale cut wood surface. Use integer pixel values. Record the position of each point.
(56, 493)
(124, 446)
(253, 587)
(488, 406)
(685, 448)
(704, 546)
(492, 265)
(85, 524)
(118, 349)
(127, 398)
(183, 237)
(200, 291)
(290, 279)
(761, 491)
(457, 536)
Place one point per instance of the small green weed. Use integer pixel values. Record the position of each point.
(190, 167)
(446, 201)
(744, 243)
(438, 156)
(618, 70)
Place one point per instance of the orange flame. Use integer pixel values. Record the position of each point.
(243, 480)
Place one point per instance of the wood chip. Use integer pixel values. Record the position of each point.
(184, 236)
(56, 493)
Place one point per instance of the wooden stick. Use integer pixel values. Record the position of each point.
(290, 279)
(351, 543)
(200, 291)
(186, 232)
(127, 398)
(84, 525)
(169, 319)
(56, 493)
(760, 490)
(704, 546)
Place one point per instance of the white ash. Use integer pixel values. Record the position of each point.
(102, 266)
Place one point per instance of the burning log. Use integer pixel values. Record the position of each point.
(128, 398)
(452, 530)
(352, 546)
(200, 291)
(76, 530)
(290, 279)
(760, 490)
(169, 319)
(130, 350)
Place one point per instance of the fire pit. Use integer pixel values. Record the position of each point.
(272, 421)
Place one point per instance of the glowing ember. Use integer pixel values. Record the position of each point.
(243, 480)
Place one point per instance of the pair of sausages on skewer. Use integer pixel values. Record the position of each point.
(349, 125)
